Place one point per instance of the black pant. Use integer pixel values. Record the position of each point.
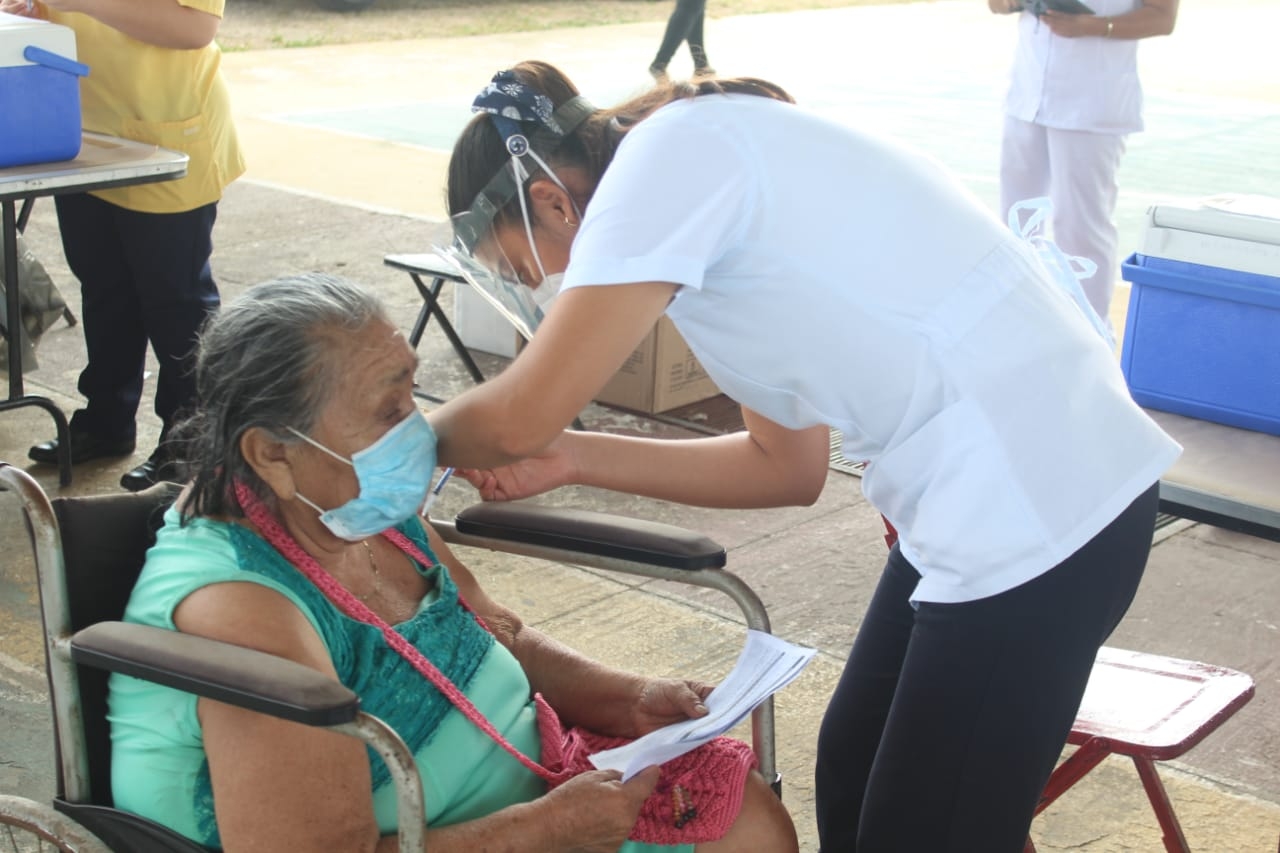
(949, 718)
(684, 24)
(144, 277)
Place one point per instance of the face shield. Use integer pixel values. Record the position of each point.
(476, 249)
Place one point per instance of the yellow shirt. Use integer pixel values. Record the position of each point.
(173, 98)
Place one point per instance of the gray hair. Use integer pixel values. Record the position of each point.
(269, 359)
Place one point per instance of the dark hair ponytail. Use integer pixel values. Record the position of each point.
(480, 153)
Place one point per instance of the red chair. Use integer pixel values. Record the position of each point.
(1148, 707)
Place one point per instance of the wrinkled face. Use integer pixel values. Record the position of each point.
(374, 392)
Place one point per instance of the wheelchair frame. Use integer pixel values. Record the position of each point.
(262, 682)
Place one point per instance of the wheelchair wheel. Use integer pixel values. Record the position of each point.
(29, 827)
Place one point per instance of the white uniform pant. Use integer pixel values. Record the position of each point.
(1077, 171)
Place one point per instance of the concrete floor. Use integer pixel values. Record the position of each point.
(345, 167)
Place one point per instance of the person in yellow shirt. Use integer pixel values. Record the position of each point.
(141, 253)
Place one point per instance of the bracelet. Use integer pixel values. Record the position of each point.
(1111, 24)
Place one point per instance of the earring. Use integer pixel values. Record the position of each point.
(569, 224)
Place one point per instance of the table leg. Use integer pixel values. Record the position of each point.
(25, 213)
(13, 304)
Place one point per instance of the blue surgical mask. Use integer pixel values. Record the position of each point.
(394, 474)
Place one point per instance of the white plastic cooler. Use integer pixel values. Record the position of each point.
(39, 92)
(1204, 311)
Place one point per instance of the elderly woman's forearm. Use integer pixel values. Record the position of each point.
(583, 691)
(522, 828)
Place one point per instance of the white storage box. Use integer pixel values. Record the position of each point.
(480, 326)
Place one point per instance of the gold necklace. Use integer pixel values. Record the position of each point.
(373, 567)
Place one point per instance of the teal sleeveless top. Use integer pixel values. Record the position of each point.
(159, 769)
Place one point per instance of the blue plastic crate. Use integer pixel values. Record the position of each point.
(1202, 341)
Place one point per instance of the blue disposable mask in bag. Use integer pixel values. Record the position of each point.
(394, 474)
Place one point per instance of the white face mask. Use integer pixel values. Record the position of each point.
(546, 293)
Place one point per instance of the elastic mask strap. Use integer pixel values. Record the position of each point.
(311, 441)
(300, 497)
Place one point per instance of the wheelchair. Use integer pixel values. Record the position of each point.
(88, 553)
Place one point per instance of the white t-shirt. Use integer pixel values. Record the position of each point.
(831, 277)
(1086, 83)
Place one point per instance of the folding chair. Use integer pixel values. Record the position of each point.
(440, 271)
(88, 554)
(1148, 707)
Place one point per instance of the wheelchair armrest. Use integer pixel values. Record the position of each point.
(588, 532)
(238, 676)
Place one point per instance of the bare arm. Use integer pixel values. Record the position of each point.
(592, 330)
(1152, 18)
(580, 345)
(164, 23)
(765, 465)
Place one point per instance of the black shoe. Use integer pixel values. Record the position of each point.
(84, 446)
(158, 468)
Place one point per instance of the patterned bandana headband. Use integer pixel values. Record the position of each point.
(511, 104)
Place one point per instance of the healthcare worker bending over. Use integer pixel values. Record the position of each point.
(829, 279)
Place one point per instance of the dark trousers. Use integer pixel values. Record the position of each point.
(949, 718)
(685, 24)
(144, 278)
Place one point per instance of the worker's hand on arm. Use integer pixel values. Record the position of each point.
(541, 472)
(1004, 7)
(163, 23)
(587, 336)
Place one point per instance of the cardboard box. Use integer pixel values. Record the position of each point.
(480, 326)
(39, 92)
(662, 373)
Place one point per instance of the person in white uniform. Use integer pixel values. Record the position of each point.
(1074, 95)
(827, 278)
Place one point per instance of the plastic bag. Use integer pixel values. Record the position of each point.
(1066, 270)
(41, 303)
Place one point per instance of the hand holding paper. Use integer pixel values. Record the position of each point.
(766, 665)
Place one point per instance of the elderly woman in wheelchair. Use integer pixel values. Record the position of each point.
(298, 535)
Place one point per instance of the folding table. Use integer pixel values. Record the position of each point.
(104, 161)
(1227, 477)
